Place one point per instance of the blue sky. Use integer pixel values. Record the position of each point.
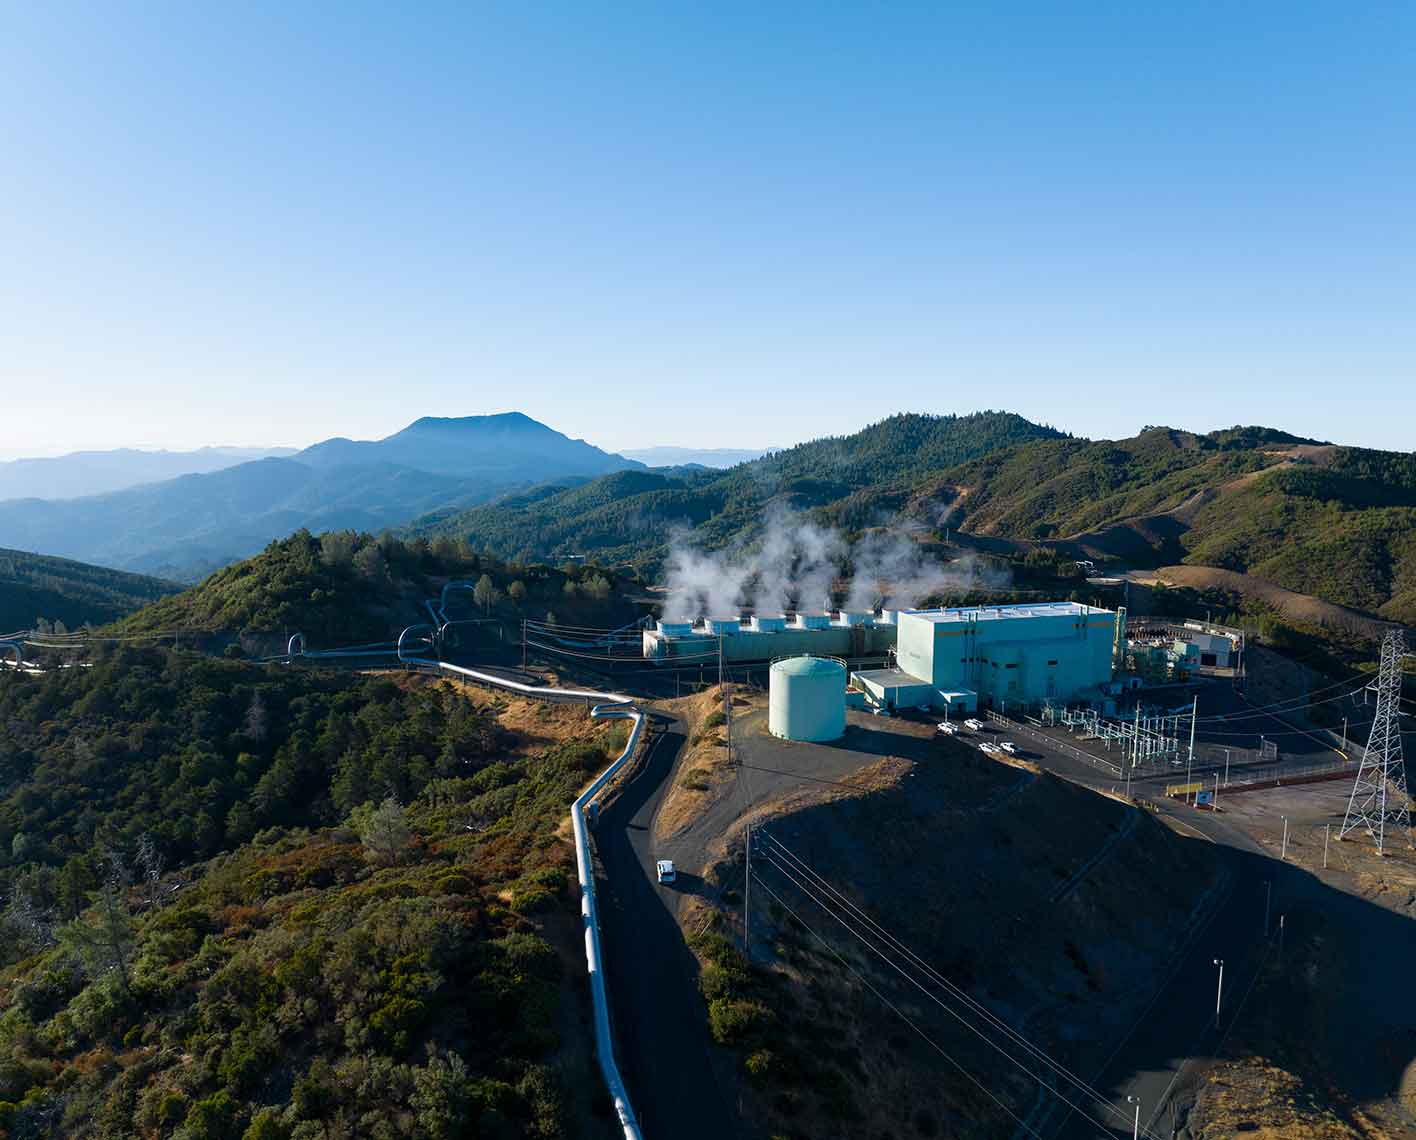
(713, 224)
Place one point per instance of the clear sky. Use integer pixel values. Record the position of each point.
(703, 223)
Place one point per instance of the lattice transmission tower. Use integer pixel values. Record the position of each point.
(1380, 801)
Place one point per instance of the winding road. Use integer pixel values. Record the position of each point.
(660, 1023)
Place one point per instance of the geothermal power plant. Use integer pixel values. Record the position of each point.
(951, 660)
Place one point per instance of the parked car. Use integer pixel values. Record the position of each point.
(973, 724)
(989, 748)
(1009, 747)
(665, 868)
(947, 727)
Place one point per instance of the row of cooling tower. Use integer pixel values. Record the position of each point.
(775, 623)
(762, 637)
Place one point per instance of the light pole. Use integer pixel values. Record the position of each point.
(1136, 1126)
(1226, 767)
(1344, 736)
(1219, 993)
(1283, 853)
(1327, 838)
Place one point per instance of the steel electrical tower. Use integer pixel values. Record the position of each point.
(1380, 799)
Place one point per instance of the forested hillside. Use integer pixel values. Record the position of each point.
(628, 516)
(345, 588)
(1335, 522)
(262, 903)
(35, 586)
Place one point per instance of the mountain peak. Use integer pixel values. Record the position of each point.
(505, 448)
(447, 425)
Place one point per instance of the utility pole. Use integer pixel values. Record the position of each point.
(1190, 764)
(1136, 739)
(747, 901)
(1215, 805)
(1226, 767)
(1283, 852)
(1136, 1124)
(1219, 993)
(1379, 796)
(1327, 838)
(1281, 917)
(1344, 736)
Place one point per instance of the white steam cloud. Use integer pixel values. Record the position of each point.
(798, 563)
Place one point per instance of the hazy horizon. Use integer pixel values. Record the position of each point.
(646, 444)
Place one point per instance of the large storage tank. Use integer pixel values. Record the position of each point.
(807, 698)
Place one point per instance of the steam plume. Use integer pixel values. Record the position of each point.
(796, 564)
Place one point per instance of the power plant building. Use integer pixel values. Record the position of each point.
(959, 659)
(956, 660)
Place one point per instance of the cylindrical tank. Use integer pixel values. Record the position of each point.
(769, 623)
(813, 619)
(720, 626)
(807, 698)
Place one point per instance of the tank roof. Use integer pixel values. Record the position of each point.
(807, 666)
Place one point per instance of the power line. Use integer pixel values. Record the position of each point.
(898, 1011)
(955, 1014)
(954, 990)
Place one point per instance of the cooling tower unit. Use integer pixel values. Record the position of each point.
(807, 698)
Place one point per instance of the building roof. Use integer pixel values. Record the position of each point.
(889, 678)
(1005, 613)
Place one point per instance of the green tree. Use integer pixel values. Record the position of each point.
(485, 592)
(104, 940)
(383, 831)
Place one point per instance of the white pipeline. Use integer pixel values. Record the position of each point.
(611, 706)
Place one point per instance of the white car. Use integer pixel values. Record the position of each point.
(947, 728)
(665, 869)
(989, 748)
(1009, 747)
(973, 724)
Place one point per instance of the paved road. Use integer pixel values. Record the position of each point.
(660, 1026)
(1157, 1059)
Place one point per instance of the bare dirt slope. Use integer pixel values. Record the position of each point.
(1297, 607)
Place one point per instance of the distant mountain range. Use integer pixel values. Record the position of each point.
(716, 457)
(98, 472)
(1329, 522)
(185, 527)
